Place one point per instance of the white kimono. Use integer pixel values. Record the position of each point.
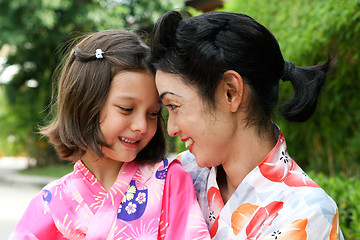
(276, 200)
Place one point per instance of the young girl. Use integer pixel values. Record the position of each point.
(108, 122)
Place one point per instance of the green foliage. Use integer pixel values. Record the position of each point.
(345, 192)
(175, 145)
(53, 171)
(39, 32)
(308, 32)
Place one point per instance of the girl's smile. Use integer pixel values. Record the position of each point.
(128, 119)
(129, 143)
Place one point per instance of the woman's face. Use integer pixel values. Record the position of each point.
(128, 119)
(207, 132)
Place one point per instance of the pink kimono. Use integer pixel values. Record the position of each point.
(146, 202)
(275, 201)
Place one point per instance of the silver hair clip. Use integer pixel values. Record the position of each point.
(99, 53)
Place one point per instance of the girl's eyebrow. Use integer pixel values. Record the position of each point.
(125, 97)
(132, 98)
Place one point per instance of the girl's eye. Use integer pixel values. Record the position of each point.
(128, 110)
(171, 106)
(154, 114)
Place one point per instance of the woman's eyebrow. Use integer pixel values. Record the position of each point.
(164, 93)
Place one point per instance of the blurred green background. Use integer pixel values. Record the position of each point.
(35, 34)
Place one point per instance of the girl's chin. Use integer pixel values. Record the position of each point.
(121, 158)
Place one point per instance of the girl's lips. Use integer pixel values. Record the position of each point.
(130, 143)
(129, 140)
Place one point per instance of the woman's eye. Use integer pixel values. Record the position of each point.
(171, 106)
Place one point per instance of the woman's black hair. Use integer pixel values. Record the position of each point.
(200, 49)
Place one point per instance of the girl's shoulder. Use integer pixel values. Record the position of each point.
(155, 171)
(59, 182)
(167, 168)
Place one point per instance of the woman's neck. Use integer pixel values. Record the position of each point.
(104, 169)
(249, 150)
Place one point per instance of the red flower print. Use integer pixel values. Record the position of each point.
(263, 218)
(215, 200)
(214, 228)
(277, 163)
(279, 167)
(216, 204)
(298, 178)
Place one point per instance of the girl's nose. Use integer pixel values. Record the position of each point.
(139, 124)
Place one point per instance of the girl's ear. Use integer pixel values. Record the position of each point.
(233, 87)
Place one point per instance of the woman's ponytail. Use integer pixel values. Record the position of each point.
(164, 35)
(307, 82)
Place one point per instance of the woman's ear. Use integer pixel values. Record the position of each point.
(233, 87)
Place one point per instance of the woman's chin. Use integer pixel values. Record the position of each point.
(200, 163)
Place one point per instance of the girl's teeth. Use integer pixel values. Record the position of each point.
(189, 142)
(126, 140)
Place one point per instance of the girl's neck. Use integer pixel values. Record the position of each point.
(249, 150)
(104, 169)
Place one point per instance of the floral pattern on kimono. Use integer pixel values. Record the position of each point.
(276, 200)
(78, 207)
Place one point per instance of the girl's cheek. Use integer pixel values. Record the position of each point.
(152, 127)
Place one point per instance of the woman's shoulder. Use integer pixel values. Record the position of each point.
(199, 175)
(315, 208)
(185, 157)
(188, 162)
(312, 198)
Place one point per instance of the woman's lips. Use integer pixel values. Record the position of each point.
(188, 141)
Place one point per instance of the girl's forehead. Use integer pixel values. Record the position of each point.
(134, 86)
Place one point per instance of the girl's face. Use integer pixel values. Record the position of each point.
(207, 132)
(128, 119)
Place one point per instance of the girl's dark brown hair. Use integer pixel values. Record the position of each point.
(83, 88)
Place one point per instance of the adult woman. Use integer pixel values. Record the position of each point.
(218, 74)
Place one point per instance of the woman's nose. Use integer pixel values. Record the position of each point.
(172, 127)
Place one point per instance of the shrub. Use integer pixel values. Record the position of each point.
(308, 31)
(346, 193)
